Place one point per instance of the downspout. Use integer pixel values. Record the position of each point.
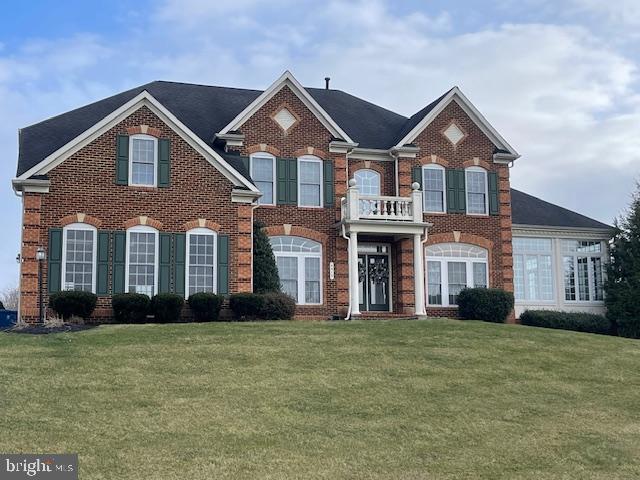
(254, 205)
(395, 157)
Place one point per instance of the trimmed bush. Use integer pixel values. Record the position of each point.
(166, 307)
(265, 270)
(205, 306)
(488, 304)
(266, 306)
(130, 307)
(70, 303)
(576, 321)
(628, 327)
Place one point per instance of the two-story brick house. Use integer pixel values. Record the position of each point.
(156, 189)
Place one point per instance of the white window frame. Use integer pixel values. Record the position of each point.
(444, 274)
(142, 229)
(590, 273)
(265, 155)
(486, 191)
(311, 158)
(201, 231)
(80, 226)
(369, 170)
(155, 160)
(524, 253)
(435, 166)
(301, 256)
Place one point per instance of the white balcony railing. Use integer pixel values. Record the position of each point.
(369, 207)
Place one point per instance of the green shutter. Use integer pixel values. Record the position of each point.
(328, 183)
(102, 279)
(164, 162)
(416, 175)
(179, 252)
(122, 160)
(292, 181)
(287, 181)
(493, 193)
(119, 259)
(281, 176)
(54, 270)
(223, 265)
(461, 191)
(452, 198)
(164, 273)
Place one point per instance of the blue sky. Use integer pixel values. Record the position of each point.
(559, 79)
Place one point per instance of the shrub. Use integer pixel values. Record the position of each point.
(265, 270)
(266, 306)
(576, 321)
(166, 307)
(130, 307)
(628, 327)
(70, 303)
(488, 304)
(205, 306)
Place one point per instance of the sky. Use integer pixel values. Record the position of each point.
(558, 79)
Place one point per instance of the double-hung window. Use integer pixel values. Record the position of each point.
(142, 260)
(79, 257)
(477, 188)
(263, 173)
(201, 261)
(583, 267)
(433, 188)
(143, 152)
(452, 267)
(299, 261)
(309, 181)
(533, 269)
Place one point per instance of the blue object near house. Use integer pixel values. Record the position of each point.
(8, 318)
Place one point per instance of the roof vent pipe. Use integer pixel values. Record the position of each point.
(326, 82)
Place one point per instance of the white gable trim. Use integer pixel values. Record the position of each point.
(287, 79)
(142, 99)
(457, 96)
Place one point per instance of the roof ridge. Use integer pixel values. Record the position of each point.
(357, 98)
(208, 86)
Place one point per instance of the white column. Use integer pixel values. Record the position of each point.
(354, 284)
(418, 274)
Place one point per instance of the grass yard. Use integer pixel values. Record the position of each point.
(403, 399)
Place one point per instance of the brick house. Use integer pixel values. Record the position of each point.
(369, 213)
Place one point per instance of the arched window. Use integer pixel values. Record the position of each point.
(141, 274)
(299, 260)
(367, 181)
(309, 181)
(263, 173)
(477, 191)
(143, 152)
(79, 242)
(201, 261)
(451, 267)
(433, 187)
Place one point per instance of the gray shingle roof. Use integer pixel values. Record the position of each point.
(205, 110)
(529, 210)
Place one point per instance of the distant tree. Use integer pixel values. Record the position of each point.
(9, 298)
(623, 273)
(265, 270)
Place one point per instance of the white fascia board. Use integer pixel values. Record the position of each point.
(371, 154)
(287, 79)
(144, 98)
(456, 95)
(30, 185)
(523, 230)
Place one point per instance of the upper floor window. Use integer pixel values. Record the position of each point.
(476, 186)
(309, 181)
(533, 269)
(79, 257)
(263, 173)
(452, 267)
(201, 261)
(299, 261)
(367, 181)
(583, 266)
(143, 152)
(142, 260)
(433, 188)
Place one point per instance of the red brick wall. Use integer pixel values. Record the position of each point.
(85, 183)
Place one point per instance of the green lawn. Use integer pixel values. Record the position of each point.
(403, 399)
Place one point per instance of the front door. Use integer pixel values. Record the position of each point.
(373, 271)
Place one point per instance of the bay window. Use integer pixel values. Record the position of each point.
(477, 187)
(263, 173)
(533, 269)
(433, 188)
(142, 260)
(79, 257)
(583, 270)
(309, 181)
(201, 261)
(452, 267)
(299, 267)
